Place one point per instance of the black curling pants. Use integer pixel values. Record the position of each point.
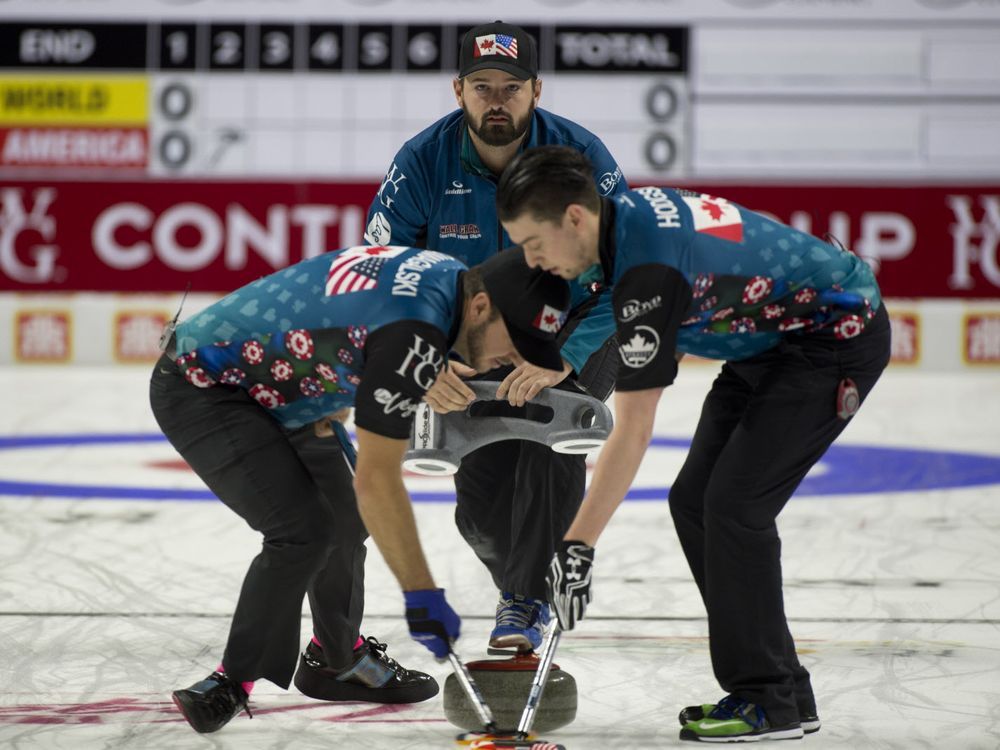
(766, 421)
(516, 498)
(296, 490)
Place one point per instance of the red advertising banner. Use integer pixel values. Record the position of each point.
(930, 241)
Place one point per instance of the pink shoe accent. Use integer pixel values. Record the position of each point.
(247, 686)
(360, 642)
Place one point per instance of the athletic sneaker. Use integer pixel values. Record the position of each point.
(809, 720)
(210, 704)
(373, 677)
(520, 622)
(735, 720)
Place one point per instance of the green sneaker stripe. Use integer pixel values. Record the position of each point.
(720, 727)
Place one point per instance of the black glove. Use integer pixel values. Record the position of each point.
(568, 581)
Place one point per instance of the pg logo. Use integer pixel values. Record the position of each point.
(974, 241)
(15, 220)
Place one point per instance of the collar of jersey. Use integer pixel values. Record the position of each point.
(456, 320)
(470, 157)
(606, 239)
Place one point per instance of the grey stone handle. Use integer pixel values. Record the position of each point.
(579, 424)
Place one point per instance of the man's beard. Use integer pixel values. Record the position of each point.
(474, 345)
(500, 134)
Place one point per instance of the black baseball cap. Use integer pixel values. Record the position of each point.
(533, 303)
(500, 46)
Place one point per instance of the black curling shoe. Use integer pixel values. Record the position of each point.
(210, 704)
(373, 677)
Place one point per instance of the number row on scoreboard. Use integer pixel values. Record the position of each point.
(323, 47)
(285, 47)
(237, 47)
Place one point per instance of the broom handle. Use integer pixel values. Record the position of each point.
(541, 677)
(346, 445)
(472, 691)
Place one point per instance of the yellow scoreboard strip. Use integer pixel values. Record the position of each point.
(80, 100)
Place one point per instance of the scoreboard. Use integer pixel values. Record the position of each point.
(206, 143)
(305, 100)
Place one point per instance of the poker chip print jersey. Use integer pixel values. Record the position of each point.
(295, 340)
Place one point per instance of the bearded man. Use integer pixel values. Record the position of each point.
(515, 498)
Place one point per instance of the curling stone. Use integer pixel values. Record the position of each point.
(505, 684)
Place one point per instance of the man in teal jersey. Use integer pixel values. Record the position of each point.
(804, 336)
(242, 382)
(515, 498)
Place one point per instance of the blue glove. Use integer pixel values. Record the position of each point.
(433, 623)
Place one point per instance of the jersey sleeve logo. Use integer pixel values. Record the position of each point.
(422, 363)
(608, 181)
(356, 269)
(640, 350)
(379, 231)
(715, 216)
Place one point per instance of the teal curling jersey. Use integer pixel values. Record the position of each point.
(752, 280)
(296, 339)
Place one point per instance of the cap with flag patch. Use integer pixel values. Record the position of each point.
(500, 46)
(534, 305)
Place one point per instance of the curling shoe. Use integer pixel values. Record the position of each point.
(210, 704)
(808, 719)
(520, 622)
(735, 720)
(372, 678)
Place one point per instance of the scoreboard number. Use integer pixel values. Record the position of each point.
(276, 48)
(175, 101)
(178, 42)
(227, 49)
(177, 45)
(174, 149)
(326, 49)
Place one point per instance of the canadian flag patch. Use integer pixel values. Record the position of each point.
(715, 216)
(549, 319)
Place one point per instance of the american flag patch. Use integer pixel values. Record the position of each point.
(356, 269)
(496, 44)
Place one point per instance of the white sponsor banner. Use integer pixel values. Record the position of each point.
(123, 329)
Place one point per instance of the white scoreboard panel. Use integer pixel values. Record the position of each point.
(308, 100)
(762, 90)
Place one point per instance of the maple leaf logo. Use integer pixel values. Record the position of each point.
(486, 44)
(638, 344)
(549, 319)
(714, 209)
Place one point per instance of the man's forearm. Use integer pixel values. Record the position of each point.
(616, 466)
(386, 509)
